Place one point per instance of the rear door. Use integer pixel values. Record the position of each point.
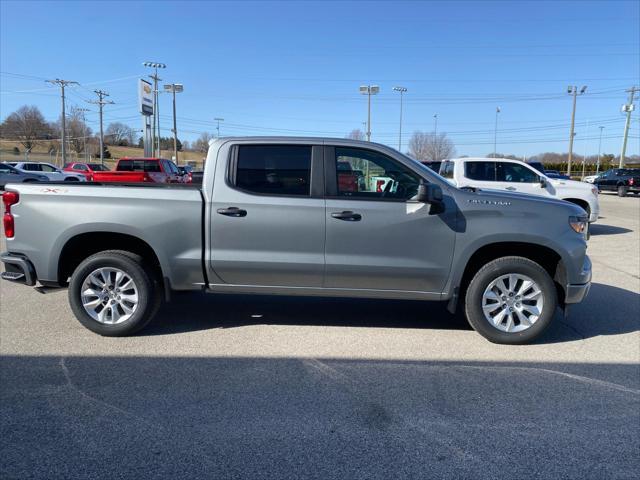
(267, 216)
(381, 239)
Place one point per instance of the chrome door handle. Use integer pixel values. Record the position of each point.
(232, 212)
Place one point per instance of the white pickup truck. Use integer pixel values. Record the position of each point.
(517, 176)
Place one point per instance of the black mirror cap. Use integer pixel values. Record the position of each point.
(429, 193)
(543, 182)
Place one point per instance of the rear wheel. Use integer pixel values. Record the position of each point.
(113, 294)
(71, 179)
(511, 300)
(622, 191)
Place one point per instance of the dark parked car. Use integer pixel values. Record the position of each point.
(9, 174)
(621, 180)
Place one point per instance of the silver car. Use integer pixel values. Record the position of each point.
(53, 173)
(9, 174)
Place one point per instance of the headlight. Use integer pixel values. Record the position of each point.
(595, 190)
(579, 224)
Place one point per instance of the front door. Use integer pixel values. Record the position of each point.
(267, 223)
(377, 237)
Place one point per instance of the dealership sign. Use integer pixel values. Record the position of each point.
(145, 95)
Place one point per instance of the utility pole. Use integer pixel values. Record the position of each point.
(155, 140)
(495, 134)
(174, 88)
(435, 125)
(628, 108)
(218, 120)
(402, 90)
(586, 142)
(369, 90)
(63, 84)
(101, 102)
(599, 150)
(573, 90)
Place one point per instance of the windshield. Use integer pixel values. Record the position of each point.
(96, 167)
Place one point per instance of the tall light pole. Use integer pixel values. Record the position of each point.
(156, 113)
(369, 90)
(84, 132)
(586, 142)
(628, 108)
(435, 125)
(573, 90)
(63, 84)
(495, 134)
(174, 88)
(402, 91)
(218, 120)
(599, 149)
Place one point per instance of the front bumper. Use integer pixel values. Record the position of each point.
(576, 292)
(18, 268)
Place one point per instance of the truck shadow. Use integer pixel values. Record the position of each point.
(193, 312)
(598, 229)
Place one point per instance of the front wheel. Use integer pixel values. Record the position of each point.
(511, 300)
(71, 179)
(113, 294)
(622, 191)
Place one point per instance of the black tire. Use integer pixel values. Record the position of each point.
(30, 180)
(490, 272)
(71, 179)
(622, 191)
(149, 292)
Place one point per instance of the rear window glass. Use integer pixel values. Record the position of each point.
(485, 171)
(139, 166)
(274, 169)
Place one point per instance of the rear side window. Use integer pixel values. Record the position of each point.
(274, 169)
(484, 171)
(125, 165)
(446, 169)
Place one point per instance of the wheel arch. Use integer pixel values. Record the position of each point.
(581, 203)
(83, 245)
(545, 256)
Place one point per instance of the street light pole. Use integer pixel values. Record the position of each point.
(573, 90)
(495, 134)
(628, 108)
(218, 120)
(369, 90)
(435, 125)
(599, 150)
(402, 90)
(174, 88)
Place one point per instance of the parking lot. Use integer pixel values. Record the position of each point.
(276, 387)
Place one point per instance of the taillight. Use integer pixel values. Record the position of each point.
(379, 184)
(631, 181)
(8, 199)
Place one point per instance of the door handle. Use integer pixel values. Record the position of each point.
(232, 212)
(347, 216)
(510, 188)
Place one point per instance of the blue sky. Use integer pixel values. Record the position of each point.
(293, 68)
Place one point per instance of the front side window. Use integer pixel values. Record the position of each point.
(98, 167)
(48, 168)
(483, 171)
(80, 166)
(368, 174)
(274, 169)
(514, 172)
(32, 167)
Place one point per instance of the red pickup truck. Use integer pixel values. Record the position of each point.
(137, 170)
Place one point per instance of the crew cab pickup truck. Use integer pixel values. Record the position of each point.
(621, 180)
(272, 218)
(517, 176)
(134, 170)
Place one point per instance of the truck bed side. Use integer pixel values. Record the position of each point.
(166, 219)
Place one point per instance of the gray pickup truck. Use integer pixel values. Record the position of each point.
(274, 216)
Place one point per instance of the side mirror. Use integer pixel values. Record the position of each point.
(543, 182)
(431, 194)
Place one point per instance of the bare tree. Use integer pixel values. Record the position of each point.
(356, 134)
(429, 147)
(118, 133)
(26, 125)
(202, 143)
(77, 130)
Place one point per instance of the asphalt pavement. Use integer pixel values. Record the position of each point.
(276, 387)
